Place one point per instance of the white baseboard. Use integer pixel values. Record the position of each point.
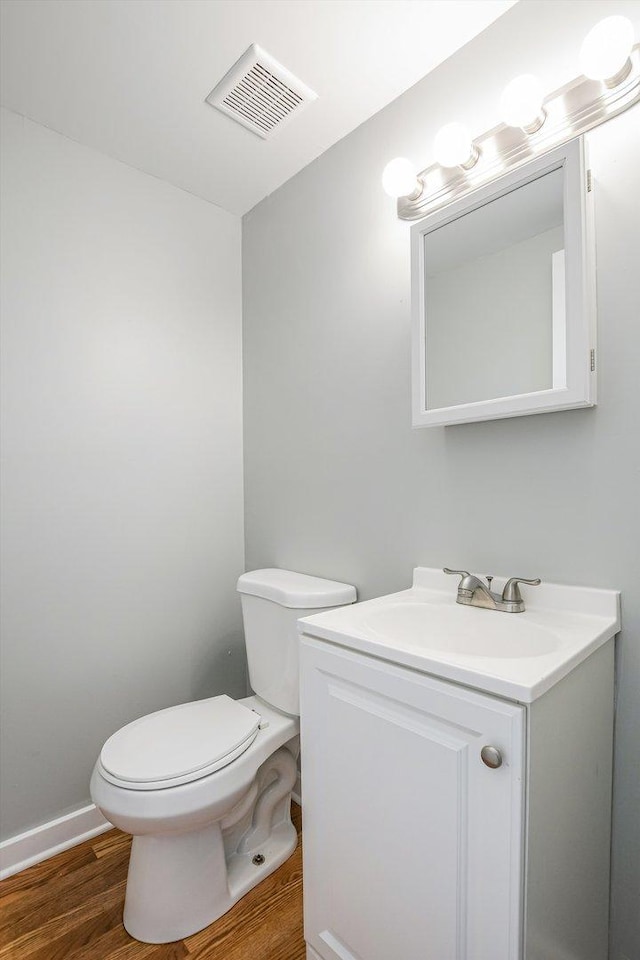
(50, 838)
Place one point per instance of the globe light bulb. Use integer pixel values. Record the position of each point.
(453, 147)
(521, 103)
(399, 178)
(605, 50)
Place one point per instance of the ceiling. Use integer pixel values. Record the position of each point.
(129, 77)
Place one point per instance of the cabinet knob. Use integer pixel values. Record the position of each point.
(492, 757)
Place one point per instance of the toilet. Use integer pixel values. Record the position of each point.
(205, 787)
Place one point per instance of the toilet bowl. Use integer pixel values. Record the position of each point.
(205, 787)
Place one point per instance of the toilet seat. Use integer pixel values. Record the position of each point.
(179, 744)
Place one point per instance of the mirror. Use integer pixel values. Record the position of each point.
(495, 268)
(501, 297)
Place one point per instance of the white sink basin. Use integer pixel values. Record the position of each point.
(515, 655)
(449, 629)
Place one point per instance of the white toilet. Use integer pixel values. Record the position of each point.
(205, 787)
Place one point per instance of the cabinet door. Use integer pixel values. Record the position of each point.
(412, 846)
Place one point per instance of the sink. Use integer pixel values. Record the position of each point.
(460, 630)
(515, 655)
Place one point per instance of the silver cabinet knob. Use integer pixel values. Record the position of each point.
(492, 757)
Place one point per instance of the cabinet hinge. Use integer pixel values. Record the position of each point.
(593, 360)
(589, 181)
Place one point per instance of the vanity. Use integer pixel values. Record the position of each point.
(456, 770)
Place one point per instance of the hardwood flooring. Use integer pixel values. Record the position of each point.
(70, 908)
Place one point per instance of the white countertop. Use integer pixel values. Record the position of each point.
(514, 655)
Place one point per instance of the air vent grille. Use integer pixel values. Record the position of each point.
(260, 93)
(262, 98)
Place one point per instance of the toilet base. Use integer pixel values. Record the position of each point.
(180, 883)
(167, 902)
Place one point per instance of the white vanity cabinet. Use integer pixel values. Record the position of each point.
(416, 849)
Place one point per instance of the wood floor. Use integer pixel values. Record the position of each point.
(70, 908)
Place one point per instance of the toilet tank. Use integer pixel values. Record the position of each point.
(273, 600)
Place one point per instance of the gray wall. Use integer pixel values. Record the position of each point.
(122, 459)
(336, 481)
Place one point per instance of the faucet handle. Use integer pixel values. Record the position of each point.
(461, 573)
(511, 591)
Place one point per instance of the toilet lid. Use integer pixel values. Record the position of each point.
(179, 744)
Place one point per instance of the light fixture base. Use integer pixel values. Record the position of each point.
(622, 74)
(536, 124)
(474, 156)
(419, 190)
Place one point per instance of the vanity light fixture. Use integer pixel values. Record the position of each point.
(521, 103)
(533, 124)
(606, 49)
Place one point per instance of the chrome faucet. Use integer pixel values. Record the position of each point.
(473, 592)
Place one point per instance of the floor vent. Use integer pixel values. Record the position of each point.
(260, 93)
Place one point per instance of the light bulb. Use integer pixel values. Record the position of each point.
(521, 103)
(605, 50)
(453, 147)
(399, 178)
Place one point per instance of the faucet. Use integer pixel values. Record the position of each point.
(473, 592)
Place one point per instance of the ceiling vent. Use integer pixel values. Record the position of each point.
(260, 93)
